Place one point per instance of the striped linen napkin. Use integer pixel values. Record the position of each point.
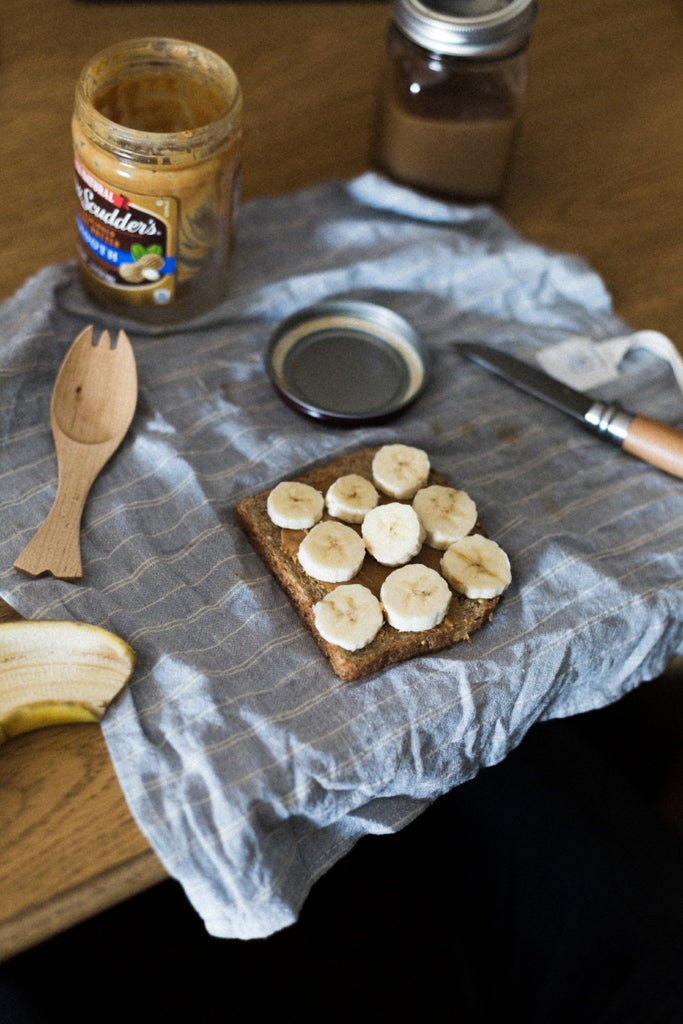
(246, 763)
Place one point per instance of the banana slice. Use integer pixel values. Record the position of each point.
(56, 672)
(393, 533)
(350, 497)
(415, 597)
(399, 470)
(331, 552)
(349, 616)
(295, 506)
(446, 514)
(476, 567)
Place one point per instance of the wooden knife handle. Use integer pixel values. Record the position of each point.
(656, 443)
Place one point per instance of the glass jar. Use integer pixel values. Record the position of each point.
(452, 93)
(157, 136)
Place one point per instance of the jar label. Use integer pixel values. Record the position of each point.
(127, 241)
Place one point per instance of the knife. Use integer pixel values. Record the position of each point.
(650, 440)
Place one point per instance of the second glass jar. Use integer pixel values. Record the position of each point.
(452, 93)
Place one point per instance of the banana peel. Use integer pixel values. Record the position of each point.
(55, 672)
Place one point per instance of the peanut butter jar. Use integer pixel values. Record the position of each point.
(157, 133)
(452, 93)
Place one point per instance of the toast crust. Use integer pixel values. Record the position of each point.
(278, 549)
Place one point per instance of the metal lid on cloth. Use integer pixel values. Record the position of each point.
(347, 362)
(467, 28)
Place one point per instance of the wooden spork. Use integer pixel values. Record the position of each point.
(93, 402)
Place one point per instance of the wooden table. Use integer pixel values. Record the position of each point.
(597, 171)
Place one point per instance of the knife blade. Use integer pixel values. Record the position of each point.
(647, 439)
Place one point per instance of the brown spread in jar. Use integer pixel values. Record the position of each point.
(467, 158)
(451, 94)
(157, 101)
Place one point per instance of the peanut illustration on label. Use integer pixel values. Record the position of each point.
(146, 266)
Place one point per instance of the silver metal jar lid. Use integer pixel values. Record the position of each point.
(467, 28)
(347, 362)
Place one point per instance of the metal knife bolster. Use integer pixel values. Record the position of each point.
(610, 420)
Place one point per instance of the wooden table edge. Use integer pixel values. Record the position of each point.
(53, 911)
(44, 919)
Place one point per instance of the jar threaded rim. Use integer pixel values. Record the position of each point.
(467, 28)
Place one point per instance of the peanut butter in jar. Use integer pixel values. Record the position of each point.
(157, 144)
(452, 93)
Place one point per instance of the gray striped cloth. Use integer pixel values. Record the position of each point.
(246, 763)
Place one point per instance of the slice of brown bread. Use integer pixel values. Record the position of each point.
(278, 549)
